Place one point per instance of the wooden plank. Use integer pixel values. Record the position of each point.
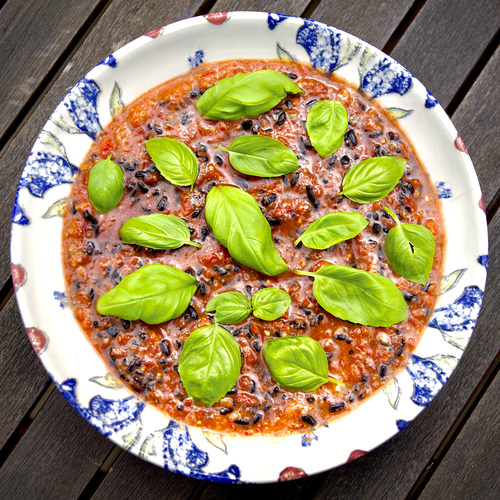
(392, 469)
(57, 456)
(123, 21)
(121, 481)
(34, 35)
(444, 42)
(472, 471)
(373, 22)
(292, 8)
(22, 375)
(479, 127)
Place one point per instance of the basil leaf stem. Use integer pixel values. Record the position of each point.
(297, 363)
(270, 303)
(157, 231)
(175, 161)
(261, 156)
(332, 229)
(358, 296)
(410, 250)
(105, 185)
(154, 293)
(373, 179)
(209, 364)
(238, 224)
(230, 307)
(245, 94)
(326, 125)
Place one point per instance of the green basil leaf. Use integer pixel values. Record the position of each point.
(154, 293)
(158, 231)
(358, 296)
(298, 363)
(373, 179)
(245, 94)
(261, 155)
(105, 185)
(175, 161)
(238, 224)
(209, 364)
(270, 303)
(230, 307)
(332, 229)
(410, 250)
(326, 125)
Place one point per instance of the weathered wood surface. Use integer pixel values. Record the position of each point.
(35, 38)
(472, 471)
(446, 45)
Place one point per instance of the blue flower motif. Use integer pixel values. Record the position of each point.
(483, 260)
(461, 315)
(401, 424)
(308, 438)
(81, 106)
(107, 416)
(430, 101)
(110, 61)
(62, 298)
(429, 375)
(196, 59)
(322, 44)
(379, 76)
(180, 454)
(274, 19)
(42, 172)
(443, 191)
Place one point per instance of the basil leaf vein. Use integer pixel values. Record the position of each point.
(245, 94)
(154, 293)
(373, 179)
(410, 250)
(175, 161)
(105, 185)
(209, 364)
(297, 363)
(158, 231)
(326, 125)
(358, 296)
(332, 229)
(230, 307)
(270, 303)
(238, 224)
(261, 156)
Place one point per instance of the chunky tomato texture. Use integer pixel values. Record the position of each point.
(146, 357)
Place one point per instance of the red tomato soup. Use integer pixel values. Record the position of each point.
(146, 357)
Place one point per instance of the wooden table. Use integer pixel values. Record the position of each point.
(450, 451)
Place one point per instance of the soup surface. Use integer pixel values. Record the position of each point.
(146, 356)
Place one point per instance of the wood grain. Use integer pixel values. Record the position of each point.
(472, 471)
(59, 448)
(34, 35)
(22, 375)
(444, 42)
(373, 22)
(290, 7)
(477, 122)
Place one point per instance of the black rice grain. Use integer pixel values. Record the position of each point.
(308, 419)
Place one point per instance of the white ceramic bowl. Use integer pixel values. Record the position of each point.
(79, 371)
